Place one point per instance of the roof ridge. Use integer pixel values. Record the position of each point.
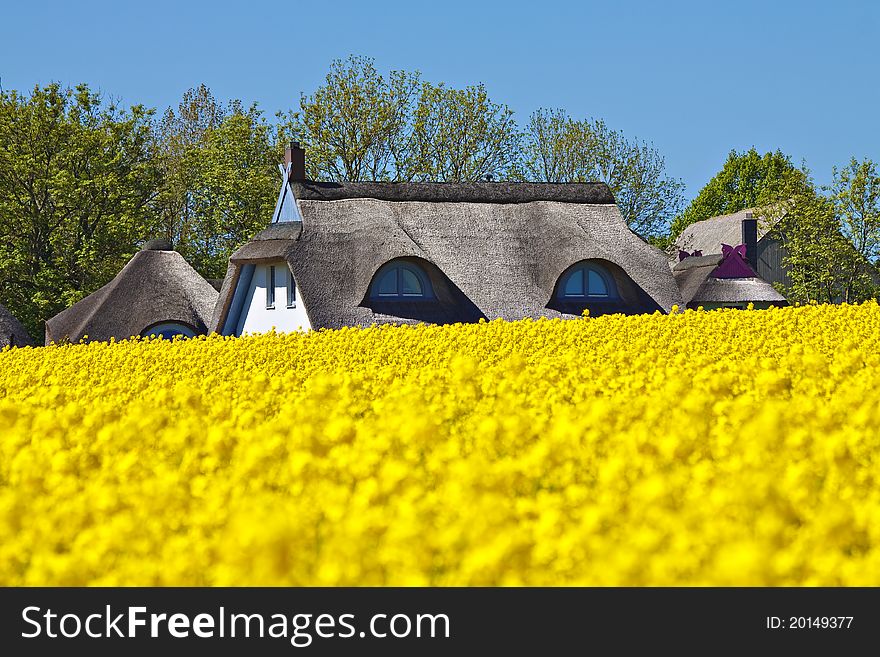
(510, 192)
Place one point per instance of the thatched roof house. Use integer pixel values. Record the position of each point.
(157, 292)
(723, 280)
(766, 250)
(12, 333)
(708, 235)
(765, 242)
(361, 253)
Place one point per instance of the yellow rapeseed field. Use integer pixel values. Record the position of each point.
(700, 448)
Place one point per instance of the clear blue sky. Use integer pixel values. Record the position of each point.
(695, 78)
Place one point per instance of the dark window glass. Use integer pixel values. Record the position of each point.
(168, 330)
(386, 286)
(270, 288)
(587, 281)
(574, 286)
(409, 283)
(402, 280)
(597, 286)
(291, 290)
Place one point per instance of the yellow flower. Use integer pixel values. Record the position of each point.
(721, 448)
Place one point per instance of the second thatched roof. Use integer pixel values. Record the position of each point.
(699, 285)
(156, 286)
(709, 234)
(12, 333)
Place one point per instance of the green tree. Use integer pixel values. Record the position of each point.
(558, 148)
(360, 125)
(830, 238)
(234, 189)
(460, 135)
(356, 126)
(180, 137)
(815, 249)
(855, 193)
(747, 180)
(219, 178)
(77, 175)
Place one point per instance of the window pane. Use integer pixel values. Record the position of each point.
(291, 290)
(597, 287)
(574, 286)
(169, 333)
(387, 284)
(168, 330)
(270, 287)
(410, 284)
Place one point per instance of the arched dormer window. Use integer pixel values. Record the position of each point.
(586, 280)
(168, 330)
(401, 280)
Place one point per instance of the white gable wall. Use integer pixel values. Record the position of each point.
(255, 317)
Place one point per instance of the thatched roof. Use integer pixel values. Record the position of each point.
(708, 235)
(505, 193)
(12, 333)
(490, 249)
(699, 285)
(691, 273)
(155, 286)
(737, 290)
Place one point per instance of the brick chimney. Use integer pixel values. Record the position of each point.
(294, 154)
(750, 239)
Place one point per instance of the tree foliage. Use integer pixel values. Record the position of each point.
(747, 180)
(356, 126)
(558, 148)
(180, 137)
(815, 249)
(359, 125)
(460, 135)
(77, 175)
(219, 179)
(234, 190)
(831, 238)
(855, 192)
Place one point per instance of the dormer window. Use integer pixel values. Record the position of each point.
(168, 330)
(587, 280)
(401, 280)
